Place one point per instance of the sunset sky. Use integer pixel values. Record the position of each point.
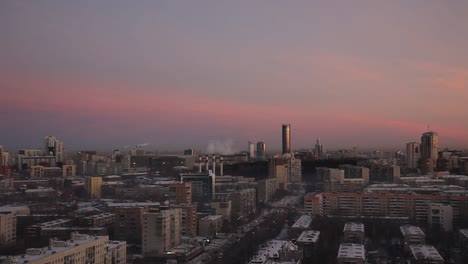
(179, 74)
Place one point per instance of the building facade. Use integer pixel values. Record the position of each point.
(161, 231)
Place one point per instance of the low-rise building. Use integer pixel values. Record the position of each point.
(351, 253)
(354, 232)
(412, 235)
(210, 225)
(424, 254)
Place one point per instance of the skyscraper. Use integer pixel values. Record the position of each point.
(413, 154)
(429, 150)
(251, 150)
(286, 138)
(318, 149)
(261, 148)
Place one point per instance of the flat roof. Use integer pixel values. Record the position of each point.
(303, 222)
(133, 204)
(271, 249)
(354, 227)
(349, 250)
(309, 236)
(36, 254)
(212, 217)
(427, 252)
(464, 232)
(411, 230)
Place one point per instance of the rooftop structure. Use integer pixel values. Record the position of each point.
(309, 236)
(303, 222)
(354, 227)
(351, 251)
(411, 230)
(425, 252)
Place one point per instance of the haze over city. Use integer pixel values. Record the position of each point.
(108, 74)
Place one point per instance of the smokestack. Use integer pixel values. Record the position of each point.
(206, 164)
(221, 172)
(199, 164)
(214, 164)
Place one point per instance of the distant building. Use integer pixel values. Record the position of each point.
(294, 170)
(313, 204)
(266, 189)
(210, 225)
(351, 253)
(286, 138)
(318, 149)
(68, 171)
(181, 192)
(251, 150)
(244, 202)
(440, 216)
(203, 186)
(161, 231)
(80, 249)
(413, 154)
(188, 152)
(278, 168)
(93, 187)
(423, 254)
(54, 147)
(261, 149)
(429, 151)
(36, 171)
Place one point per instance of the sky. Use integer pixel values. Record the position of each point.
(180, 74)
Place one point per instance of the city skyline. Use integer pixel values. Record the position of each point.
(111, 74)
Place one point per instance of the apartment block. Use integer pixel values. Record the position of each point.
(266, 189)
(244, 202)
(161, 231)
(440, 216)
(189, 220)
(313, 204)
(412, 235)
(181, 192)
(128, 223)
(423, 254)
(36, 171)
(93, 187)
(354, 233)
(210, 225)
(351, 253)
(81, 249)
(7, 229)
(68, 171)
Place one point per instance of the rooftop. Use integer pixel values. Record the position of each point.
(271, 249)
(354, 227)
(411, 230)
(356, 251)
(212, 217)
(133, 204)
(464, 232)
(426, 252)
(303, 222)
(309, 236)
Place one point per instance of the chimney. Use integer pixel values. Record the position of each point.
(221, 166)
(206, 164)
(214, 164)
(199, 164)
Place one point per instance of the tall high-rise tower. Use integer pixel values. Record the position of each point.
(318, 149)
(413, 154)
(286, 138)
(261, 148)
(429, 150)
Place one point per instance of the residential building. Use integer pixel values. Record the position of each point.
(128, 223)
(181, 192)
(266, 189)
(81, 249)
(425, 254)
(93, 187)
(412, 235)
(354, 232)
(351, 253)
(440, 216)
(244, 202)
(161, 231)
(189, 220)
(7, 229)
(209, 225)
(68, 171)
(36, 171)
(308, 242)
(294, 170)
(278, 168)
